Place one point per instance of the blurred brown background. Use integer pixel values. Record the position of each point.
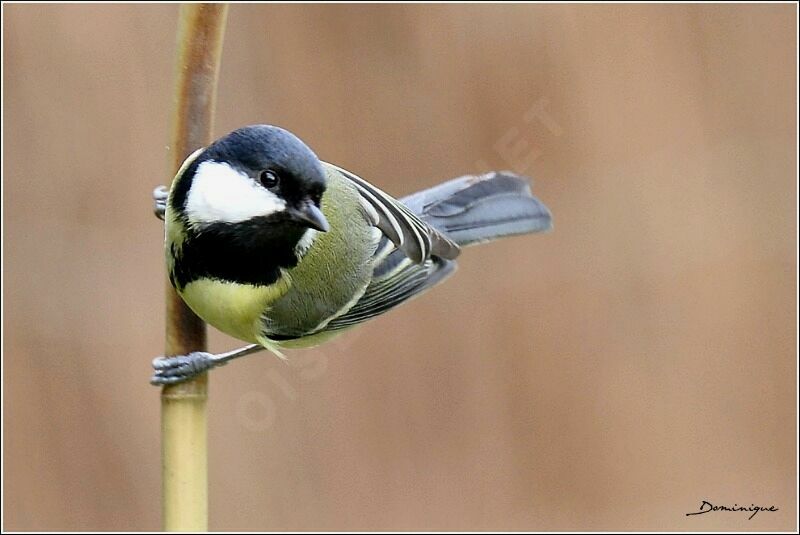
(608, 375)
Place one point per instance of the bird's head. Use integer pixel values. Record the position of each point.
(257, 175)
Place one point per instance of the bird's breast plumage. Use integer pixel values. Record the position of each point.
(329, 273)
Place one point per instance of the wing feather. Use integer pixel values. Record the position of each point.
(411, 255)
(417, 239)
(393, 289)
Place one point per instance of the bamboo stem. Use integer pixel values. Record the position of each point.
(183, 406)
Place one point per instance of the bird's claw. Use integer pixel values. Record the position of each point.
(171, 370)
(160, 195)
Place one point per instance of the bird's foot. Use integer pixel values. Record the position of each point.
(160, 195)
(171, 370)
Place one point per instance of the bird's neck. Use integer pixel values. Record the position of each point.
(250, 252)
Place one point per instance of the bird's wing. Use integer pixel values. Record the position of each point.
(411, 257)
(417, 239)
(396, 278)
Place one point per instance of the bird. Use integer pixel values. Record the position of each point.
(274, 247)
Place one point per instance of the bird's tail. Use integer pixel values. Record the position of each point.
(476, 209)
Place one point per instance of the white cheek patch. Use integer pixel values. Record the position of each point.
(220, 193)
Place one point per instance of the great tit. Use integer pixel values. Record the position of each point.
(274, 247)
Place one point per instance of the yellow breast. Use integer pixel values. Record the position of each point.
(234, 309)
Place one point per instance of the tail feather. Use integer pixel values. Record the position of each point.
(476, 209)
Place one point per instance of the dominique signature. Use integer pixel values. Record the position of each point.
(707, 507)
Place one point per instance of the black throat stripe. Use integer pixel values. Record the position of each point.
(249, 252)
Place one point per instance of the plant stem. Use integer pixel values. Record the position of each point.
(183, 406)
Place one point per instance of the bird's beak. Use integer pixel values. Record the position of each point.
(308, 214)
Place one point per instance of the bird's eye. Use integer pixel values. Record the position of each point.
(268, 179)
